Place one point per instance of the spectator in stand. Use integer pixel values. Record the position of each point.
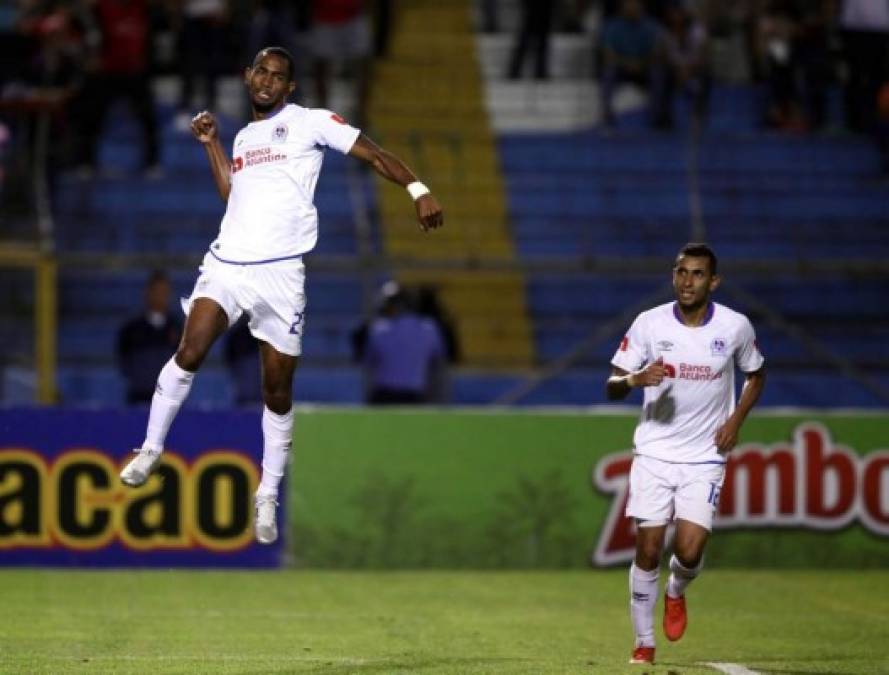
(145, 342)
(865, 31)
(382, 27)
(119, 68)
(42, 62)
(776, 40)
(403, 353)
(242, 359)
(630, 43)
(428, 306)
(273, 22)
(489, 16)
(203, 34)
(687, 65)
(340, 35)
(883, 128)
(817, 23)
(534, 32)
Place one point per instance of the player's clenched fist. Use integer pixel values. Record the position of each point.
(429, 213)
(203, 126)
(650, 376)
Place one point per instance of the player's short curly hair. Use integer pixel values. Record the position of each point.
(277, 51)
(699, 250)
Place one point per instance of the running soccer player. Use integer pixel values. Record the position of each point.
(255, 264)
(683, 354)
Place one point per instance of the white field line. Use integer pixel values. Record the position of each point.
(732, 669)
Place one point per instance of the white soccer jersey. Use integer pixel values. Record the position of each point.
(275, 166)
(680, 416)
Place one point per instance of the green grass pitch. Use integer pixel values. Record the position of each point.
(788, 622)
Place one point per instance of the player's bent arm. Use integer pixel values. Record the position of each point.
(618, 386)
(384, 162)
(390, 167)
(206, 131)
(220, 166)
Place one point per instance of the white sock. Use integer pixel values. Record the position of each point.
(643, 596)
(277, 434)
(173, 385)
(680, 577)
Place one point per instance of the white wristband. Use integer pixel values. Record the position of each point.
(417, 190)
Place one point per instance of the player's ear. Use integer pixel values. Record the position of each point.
(291, 87)
(714, 282)
(247, 72)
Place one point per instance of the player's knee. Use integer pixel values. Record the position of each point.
(276, 394)
(689, 559)
(189, 357)
(278, 403)
(648, 556)
(647, 562)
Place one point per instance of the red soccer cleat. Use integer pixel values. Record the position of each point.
(675, 617)
(642, 655)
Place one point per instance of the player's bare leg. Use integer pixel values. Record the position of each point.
(685, 565)
(206, 322)
(277, 433)
(644, 588)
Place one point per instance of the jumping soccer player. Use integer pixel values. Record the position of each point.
(684, 355)
(255, 264)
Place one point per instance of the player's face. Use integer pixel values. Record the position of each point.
(693, 281)
(268, 83)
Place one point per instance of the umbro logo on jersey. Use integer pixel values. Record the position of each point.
(665, 346)
(717, 347)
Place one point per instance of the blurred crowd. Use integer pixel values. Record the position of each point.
(84, 55)
(796, 50)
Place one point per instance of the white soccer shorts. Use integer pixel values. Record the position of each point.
(660, 491)
(273, 294)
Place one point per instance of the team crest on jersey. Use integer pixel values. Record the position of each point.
(279, 135)
(665, 346)
(717, 347)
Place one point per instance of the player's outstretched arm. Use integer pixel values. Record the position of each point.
(618, 386)
(429, 212)
(205, 129)
(727, 434)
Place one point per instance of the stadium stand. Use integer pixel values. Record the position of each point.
(589, 220)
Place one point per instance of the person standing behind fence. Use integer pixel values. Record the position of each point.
(533, 34)
(145, 342)
(341, 36)
(403, 353)
(203, 36)
(630, 43)
(120, 69)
